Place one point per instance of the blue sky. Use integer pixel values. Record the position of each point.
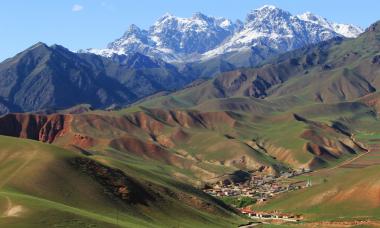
(80, 24)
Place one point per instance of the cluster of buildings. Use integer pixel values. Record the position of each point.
(259, 187)
(262, 187)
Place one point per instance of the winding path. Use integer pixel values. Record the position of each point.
(12, 210)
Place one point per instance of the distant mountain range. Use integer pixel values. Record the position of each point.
(172, 54)
(337, 70)
(202, 37)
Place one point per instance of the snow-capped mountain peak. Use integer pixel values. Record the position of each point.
(308, 16)
(133, 29)
(200, 16)
(267, 8)
(274, 28)
(166, 15)
(193, 35)
(173, 38)
(267, 12)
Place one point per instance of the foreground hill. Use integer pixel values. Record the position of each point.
(47, 186)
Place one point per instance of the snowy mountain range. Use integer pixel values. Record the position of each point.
(346, 30)
(176, 39)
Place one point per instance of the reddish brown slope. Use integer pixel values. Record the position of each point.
(44, 128)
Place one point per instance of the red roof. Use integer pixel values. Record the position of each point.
(246, 210)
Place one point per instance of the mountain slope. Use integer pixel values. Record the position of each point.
(43, 77)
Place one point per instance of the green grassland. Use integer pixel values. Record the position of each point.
(37, 178)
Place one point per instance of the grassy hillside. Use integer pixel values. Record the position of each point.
(198, 146)
(42, 187)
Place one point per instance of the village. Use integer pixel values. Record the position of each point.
(261, 188)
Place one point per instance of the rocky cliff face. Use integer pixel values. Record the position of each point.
(37, 127)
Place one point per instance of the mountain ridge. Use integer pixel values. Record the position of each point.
(176, 39)
(43, 77)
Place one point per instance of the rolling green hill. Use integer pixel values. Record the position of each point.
(47, 186)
